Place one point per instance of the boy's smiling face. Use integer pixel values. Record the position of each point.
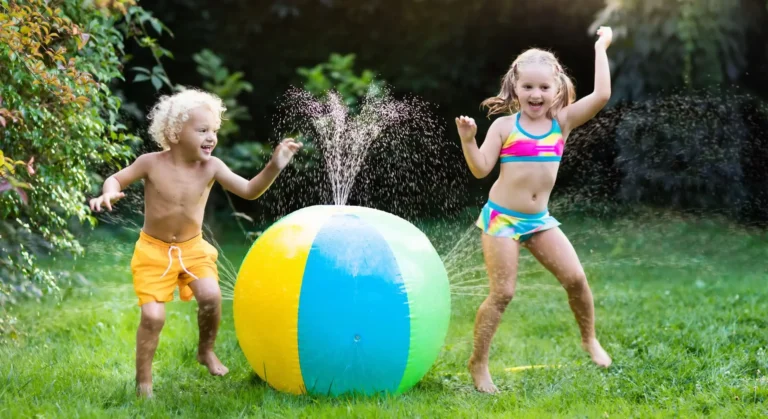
(197, 138)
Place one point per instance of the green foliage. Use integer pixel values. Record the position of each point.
(8, 176)
(58, 61)
(12, 244)
(228, 86)
(338, 74)
(135, 21)
(663, 45)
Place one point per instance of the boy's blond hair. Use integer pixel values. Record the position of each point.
(170, 113)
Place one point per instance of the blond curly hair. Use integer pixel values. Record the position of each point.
(170, 112)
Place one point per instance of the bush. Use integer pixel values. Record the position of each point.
(698, 153)
(338, 74)
(754, 158)
(588, 180)
(58, 61)
(684, 152)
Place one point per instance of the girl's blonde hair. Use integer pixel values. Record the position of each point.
(170, 112)
(507, 101)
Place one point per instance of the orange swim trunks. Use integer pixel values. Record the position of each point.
(158, 267)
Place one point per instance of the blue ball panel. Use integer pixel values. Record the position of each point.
(354, 320)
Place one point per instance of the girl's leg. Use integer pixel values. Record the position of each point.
(501, 263)
(556, 253)
(147, 338)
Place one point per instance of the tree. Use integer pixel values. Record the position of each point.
(59, 60)
(664, 45)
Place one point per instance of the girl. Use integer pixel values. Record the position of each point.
(529, 143)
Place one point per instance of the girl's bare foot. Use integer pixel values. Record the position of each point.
(598, 354)
(144, 390)
(209, 359)
(482, 377)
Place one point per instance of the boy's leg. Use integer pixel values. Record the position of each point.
(500, 255)
(147, 338)
(208, 296)
(556, 253)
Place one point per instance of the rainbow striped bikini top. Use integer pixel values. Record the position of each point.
(522, 146)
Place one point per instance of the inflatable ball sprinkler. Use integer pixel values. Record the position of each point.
(336, 299)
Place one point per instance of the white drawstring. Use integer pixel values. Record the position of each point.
(170, 262)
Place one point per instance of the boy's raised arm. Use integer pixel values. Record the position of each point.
(242, 187)
(254, 188)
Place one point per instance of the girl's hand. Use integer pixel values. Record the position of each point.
(606, 36)
(467, 129)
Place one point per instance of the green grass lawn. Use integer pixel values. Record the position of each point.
(682, 307)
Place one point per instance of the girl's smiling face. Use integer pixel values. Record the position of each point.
(536, 89)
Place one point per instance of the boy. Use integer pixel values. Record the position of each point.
(170, 250)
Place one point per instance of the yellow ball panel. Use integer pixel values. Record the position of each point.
(266, 300)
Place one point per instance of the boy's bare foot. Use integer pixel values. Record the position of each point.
(209, 359)
(598, 354)
(144, 390)
(482, 377)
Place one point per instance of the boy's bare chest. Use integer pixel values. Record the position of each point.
(179, 187)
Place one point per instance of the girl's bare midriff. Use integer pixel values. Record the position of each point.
(525, 186)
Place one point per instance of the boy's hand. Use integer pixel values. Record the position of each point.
(106, 199)
(467, 129)
(284, 152)
(606, 36)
